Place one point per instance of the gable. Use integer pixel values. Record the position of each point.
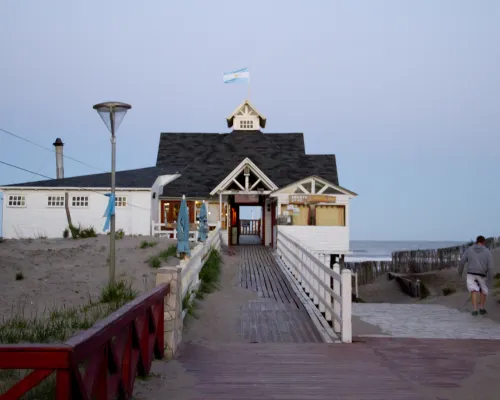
(314, 185)
(246, 177)
(246, 117)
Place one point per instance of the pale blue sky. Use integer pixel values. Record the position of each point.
(405, 93)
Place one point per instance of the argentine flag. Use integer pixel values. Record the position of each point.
(241, 75)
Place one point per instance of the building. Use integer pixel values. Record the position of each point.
(297, 191)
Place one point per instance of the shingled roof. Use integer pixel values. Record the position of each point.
(205, 159)
(132, 178)
(281, 156)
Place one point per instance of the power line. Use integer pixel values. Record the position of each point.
(48, 177)
(25, 170)
(49, 150)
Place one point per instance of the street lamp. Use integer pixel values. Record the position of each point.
(112, 113)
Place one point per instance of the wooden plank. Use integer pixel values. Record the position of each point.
(291, 371)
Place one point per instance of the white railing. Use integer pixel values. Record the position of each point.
(329, 289)
(191, 267)
(171, 233)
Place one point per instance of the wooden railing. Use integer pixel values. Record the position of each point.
(249, 226)
(98, 363)
(329, 289)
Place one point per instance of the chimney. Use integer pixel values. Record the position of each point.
(58, 144)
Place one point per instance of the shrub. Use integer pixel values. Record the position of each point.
(155, 262)
(78, 232)
(120, 234)
(66, 233)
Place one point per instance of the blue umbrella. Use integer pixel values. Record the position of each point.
(183, 229)
(203, 227)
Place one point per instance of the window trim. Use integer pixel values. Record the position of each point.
(121, 199)
(246, 124)
(23, 196)
(61, 200)
(84, 201)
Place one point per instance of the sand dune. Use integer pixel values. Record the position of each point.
(384, 291)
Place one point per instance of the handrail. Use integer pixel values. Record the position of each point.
(329, 289)
(113, 352)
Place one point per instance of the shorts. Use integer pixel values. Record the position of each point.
(476, 283)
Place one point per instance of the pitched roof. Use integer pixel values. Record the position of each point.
(281, 156)
(179, 148)
(132, 178)
(205, 159)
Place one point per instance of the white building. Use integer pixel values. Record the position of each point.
(230, 170)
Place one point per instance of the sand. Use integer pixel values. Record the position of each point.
(66, 272)
(384, 291)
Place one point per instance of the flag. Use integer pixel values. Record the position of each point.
(109, 211)
(241, 75)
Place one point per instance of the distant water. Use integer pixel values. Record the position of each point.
(375, 250)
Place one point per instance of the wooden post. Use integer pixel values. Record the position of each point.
(346, 335)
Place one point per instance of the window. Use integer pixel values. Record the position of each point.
(246, 124)
(16, 201)
(80, 201)
(55, 201)
(121, 201)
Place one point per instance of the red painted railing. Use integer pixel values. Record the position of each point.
(99, 363)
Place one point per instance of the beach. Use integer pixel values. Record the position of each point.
(382, 290)
(68, 273)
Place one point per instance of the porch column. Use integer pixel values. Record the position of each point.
(220, 209)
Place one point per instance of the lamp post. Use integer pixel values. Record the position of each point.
(112, 114)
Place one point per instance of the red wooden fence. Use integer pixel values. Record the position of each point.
(98, 363)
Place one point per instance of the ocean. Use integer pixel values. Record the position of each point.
(378, 250)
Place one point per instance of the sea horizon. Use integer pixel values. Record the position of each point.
(381, 250)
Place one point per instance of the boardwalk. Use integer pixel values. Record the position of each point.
(278, 354)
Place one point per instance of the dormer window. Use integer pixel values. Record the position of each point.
(246, 118)
(246, 124)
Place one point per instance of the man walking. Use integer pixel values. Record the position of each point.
(479, 271)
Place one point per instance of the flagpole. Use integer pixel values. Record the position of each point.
(248, 87)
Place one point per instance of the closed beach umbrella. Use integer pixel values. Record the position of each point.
(203, 227)
(183, 229)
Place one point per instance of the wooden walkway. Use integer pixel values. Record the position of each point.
(279, 317)
(281, 357)
(378, 369)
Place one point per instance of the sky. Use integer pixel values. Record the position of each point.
(405, 93)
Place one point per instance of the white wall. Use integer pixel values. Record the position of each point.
(322, 239)
(157, 188)
(213, 213)
(37, 219)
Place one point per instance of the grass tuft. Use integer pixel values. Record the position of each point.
(144, 244)
(155, 261)
(117, 292)
(210, 272)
